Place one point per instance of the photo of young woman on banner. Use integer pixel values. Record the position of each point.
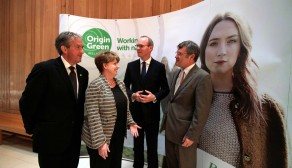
(244, 123)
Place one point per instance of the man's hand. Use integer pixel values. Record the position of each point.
(187, 142)
(137, 96)
(145, 98)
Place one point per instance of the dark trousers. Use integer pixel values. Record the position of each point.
(114, 159)
(151, 133)
(67, 159)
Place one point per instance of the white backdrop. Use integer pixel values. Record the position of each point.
(270, 21)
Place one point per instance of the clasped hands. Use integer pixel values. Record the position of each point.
(140, 96)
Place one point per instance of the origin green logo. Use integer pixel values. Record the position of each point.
(96, 40)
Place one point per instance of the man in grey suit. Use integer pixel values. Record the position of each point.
(188, 107)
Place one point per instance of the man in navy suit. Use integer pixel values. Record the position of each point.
(52, 108)
(148, 85)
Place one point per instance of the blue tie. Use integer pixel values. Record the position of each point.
(143, 73)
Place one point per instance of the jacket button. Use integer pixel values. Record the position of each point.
(246, 158)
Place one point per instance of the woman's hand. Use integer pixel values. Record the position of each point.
(134, 130)
(103, 151)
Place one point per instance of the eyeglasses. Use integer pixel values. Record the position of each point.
(140, 45)
(180, 54)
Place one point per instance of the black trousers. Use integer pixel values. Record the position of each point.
(67, 159)
(114, 159)
(151, 133)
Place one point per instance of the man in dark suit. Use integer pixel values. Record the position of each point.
(52, 105)
(188, 107)
(148, 84)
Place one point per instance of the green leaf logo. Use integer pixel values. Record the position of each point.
(96, 40)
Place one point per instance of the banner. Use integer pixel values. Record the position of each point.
(205, 160)
(269, 20)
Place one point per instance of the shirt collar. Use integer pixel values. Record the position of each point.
(147, 61)
(187, 69)
(67, 65)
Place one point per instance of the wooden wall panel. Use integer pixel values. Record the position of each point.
(17, 47)
(67, 6)
(119, 9)
(161, 7)
(91, 8)
(31, 26)
(46, 28)
(180, 4)
(141, 8)
(4, 56)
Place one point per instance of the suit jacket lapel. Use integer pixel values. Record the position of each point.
(173, 82)
(80, 79)
(186, 80)
(138, 69)
(64, 75)
(149, 71)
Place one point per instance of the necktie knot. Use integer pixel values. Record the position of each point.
(72, 68)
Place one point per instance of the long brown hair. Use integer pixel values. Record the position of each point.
(247, 102)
